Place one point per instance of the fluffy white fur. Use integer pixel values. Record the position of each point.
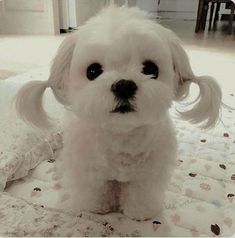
(113, 161)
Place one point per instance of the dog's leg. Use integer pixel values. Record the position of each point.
(143, 198)
(84, 173)
(141, 201)
(114, 195)
(93, 195)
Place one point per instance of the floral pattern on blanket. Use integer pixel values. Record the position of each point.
(19, 218)
(200, 200)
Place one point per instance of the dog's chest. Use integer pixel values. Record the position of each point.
(123, 165)
(125, 153)
(134, 142)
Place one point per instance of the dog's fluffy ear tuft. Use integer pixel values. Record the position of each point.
(29, 104)
(29, 100)
(207, 106)
(205, 110)
(60, 69)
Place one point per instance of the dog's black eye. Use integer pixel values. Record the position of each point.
(150, 68)
(94, 71)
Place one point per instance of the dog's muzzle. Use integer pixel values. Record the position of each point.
(124, 91)
(124, 107)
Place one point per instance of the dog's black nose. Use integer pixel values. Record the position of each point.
(124, 89)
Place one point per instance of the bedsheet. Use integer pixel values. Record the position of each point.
(200, 200)
(23, 147)
(20, 218)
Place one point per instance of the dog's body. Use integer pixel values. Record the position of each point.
(119, 75)
(120, 170)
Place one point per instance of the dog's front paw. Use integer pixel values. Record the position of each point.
(139, 214)
(101, 211)
(101, 206)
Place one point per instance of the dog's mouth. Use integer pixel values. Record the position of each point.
(124, 106)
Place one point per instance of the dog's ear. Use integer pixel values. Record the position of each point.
(206, 108)
(29, 99)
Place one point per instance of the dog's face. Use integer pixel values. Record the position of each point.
(123, 69)
(121, 72)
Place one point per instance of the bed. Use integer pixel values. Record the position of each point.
(200, 200)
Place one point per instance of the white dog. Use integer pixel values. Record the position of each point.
(119, 75)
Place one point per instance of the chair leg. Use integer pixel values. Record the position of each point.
(216, 18)
(199, 15)
(231, 18)
(211, 14)
(204, 18)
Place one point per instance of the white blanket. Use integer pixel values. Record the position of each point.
(200, 199)
(22, 147)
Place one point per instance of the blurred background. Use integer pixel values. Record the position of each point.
(56, 16)
(31, 30)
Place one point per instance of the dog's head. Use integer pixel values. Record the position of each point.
(122, 68)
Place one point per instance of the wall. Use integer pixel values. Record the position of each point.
(122, 2)
(1, 7)
(29, 17)
(150, 6)
(178, 9)
(88, 8)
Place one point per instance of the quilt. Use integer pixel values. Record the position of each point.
(200, 200)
